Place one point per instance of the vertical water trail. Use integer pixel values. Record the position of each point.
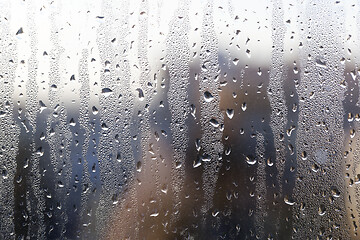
(36, 199)
(59, 168)
(320, 135)
(275, 91)
(211, 116)
(116, 158)
(260, 190)
(351, 118)
(177, 58)
(10, 132)
(21, 178)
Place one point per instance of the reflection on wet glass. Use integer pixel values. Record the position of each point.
(179, 119)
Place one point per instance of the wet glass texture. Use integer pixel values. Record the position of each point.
(184, 119)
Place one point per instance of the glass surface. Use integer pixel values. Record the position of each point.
(187, 119)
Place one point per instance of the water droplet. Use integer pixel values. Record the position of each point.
(320, 62)
(235, 61)
(118, 157)
(60, 184)
(314, 167)
(106, 92)
(140, 94)
(72, 122)
(178, 165)
(138, 166)
(248, 53)
(205, 158)
(155, 214)
(42, 106)
(230, 113)
(304, 155)
(227, 151)
(250, 160)
(335, 192)
(197, 144)
(197, 163)
(156, 135)
(114, 199)
(270, 163)
(242, 131)
(208, 96)
(244, 106)
(259, 72)
(2, 114)
(350, 117)
(95, 110)
(20, 31)
(164, 189)
(352, 133)
(289, 201)
(204, 66)
(4, 173)
(104, 127)
(40, 152)
(42, 136)
(321, 210)
(193, 110)
(215, 213)
(214, 122)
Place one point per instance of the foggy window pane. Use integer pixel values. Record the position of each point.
(181, 119)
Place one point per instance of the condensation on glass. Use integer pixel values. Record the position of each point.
(186, 119)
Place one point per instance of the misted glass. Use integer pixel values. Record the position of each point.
(181, 119)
